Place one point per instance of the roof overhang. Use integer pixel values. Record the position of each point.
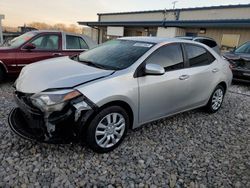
(123, 23)
(229, 23)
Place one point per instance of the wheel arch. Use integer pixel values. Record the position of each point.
(224, 85)
(3, 67)
(89, 118)
(123, 105)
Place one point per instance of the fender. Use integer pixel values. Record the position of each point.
(4, 66)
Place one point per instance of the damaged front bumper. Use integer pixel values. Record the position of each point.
(242, 75)
(61, 127)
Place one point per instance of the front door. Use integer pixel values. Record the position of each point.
(166, 94)
(46, 46)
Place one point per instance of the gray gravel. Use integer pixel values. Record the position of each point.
(192, 149)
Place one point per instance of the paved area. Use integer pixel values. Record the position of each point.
(192, 149)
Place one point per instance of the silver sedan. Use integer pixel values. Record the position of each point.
(97, 96)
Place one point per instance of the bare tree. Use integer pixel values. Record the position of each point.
(59, 26)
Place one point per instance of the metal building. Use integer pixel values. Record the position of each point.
(228, 25)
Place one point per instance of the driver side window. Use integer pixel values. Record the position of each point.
(47, 42)
(169, 56)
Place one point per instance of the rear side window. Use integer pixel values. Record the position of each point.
(75, 42)
(170, 57)
(207, 42)
(198, 56)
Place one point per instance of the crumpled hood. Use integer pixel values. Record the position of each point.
(59, 72)
(234, 56)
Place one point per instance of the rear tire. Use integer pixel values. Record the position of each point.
(216, 100)
(108, 129)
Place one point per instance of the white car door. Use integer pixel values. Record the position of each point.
(203, 70)
(161, 95)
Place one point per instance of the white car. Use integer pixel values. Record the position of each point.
(122, 84)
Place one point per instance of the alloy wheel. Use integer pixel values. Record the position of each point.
(217, 99)
(110, 130)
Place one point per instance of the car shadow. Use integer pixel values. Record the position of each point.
(239, 83)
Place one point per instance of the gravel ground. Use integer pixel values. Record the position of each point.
(192, 149)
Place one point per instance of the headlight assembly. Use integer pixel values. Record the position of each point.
(54, 100)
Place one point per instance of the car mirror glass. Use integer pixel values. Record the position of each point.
(154, 69)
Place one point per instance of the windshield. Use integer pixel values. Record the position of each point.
(245, 48)
(116, 54)
(18, 41)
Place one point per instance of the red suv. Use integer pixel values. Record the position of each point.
(39, 45)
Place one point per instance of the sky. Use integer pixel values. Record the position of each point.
(20, 12)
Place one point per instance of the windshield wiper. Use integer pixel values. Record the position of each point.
(91, 63)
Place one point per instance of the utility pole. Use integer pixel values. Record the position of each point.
(174, 2)
(165, 14)
(1, 30)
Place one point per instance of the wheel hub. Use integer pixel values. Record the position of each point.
(110, 129)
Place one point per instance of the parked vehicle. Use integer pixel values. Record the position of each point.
(39, 45)
(204, 40)
(97, 96)
(240, 62)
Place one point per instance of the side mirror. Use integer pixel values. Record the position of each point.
(29, 46)
(154, 69)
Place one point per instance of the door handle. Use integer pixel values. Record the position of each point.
(184, 77)
(56, 54)
(215, 70)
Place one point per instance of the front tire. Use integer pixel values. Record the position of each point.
(216, 100)
(108, 129)
(2, 75)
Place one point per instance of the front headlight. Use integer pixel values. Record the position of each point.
(54, 100)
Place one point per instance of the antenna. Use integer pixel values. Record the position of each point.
(174, 2)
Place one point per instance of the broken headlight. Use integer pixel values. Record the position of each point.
(53, 100)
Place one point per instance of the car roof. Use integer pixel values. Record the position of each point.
(46, 31)
(185, 37)
(54, 31)
(155, 40)
(193, 37)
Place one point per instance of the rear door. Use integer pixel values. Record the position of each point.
(164, 94)
(74, 45)
(203, 74)
(47, 46)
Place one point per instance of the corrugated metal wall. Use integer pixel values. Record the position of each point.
(136, 17)
(210, 14)
(215, 14)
